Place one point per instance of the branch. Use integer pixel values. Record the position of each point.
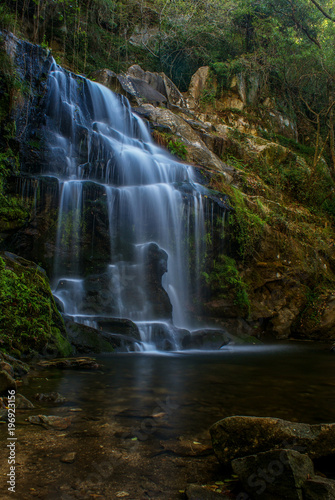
(318, 6)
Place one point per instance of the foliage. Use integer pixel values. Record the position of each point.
(28, 315)
(225, 280)
(177, 148)
(247, 225)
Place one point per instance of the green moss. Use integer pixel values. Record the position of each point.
(62, 345)
(28, 315)
(247, 224)
(226, 281)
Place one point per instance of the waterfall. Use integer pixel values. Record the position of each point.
(131, 223)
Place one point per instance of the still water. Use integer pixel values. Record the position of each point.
(195, 389)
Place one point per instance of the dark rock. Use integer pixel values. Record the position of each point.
(7, 368)
(20, 368)
(319, 488)
(274, 474)
(75, 363)
(206, 339)
(53, 421)
(22, 403)
(196, 492)
(50, 397)
(7, 382)
(239, 436)
(112, 334)
(155, 267)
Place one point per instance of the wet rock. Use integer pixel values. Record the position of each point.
(206, 339)
(86, 339)
(6, 382)
(186, 448)
(50, 397)
(69, 458)
(7, 368)
(23, 403)
(53, 421)
(196, 492)
(239, 436)
(274, 474)
(319, 488)
(197, 151)
(74, 363)
(155, 266)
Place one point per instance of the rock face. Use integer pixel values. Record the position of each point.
(197, 151)
(141, 86)
(239, 436)
(274, 474)
(197, 86)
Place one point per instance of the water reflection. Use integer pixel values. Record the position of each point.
(290, 382)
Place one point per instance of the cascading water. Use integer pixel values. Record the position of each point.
(154, 213)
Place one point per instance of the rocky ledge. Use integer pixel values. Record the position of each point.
(275, 459)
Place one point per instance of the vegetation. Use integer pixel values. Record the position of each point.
(226, 282)
(38, 326)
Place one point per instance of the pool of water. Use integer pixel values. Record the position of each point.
(195, 389)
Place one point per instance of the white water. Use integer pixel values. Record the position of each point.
(92, 136)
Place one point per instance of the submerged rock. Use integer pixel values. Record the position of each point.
(239, 436)
(76, 363)
(50, 397)
(197, 492)
(53, 421)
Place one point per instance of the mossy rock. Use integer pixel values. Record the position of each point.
(29, 319)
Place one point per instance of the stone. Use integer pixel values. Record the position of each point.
(274, 474)
(197, 151)
(6, 382)
(7, 368)
(75, 363)
(319, 488)
(50, 397)
(206, 339)
(20, 368)
(69, 458)
(53, 421)
(160, 83)
(22, 403)
(197, 86)
(239, 436)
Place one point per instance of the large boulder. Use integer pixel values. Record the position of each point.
(274, 474)
(88, 340)
(160, 83)
(239, 436)
(141, 86)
